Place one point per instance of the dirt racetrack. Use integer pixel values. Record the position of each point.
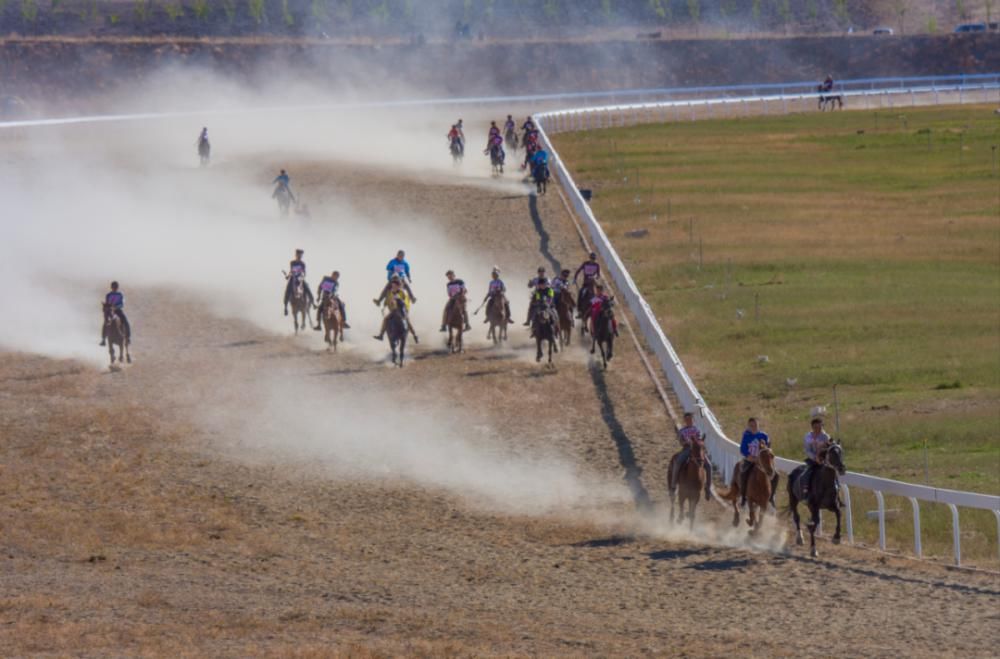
(464, 505)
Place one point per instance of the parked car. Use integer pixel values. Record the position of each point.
(882, 30)
(971, 27)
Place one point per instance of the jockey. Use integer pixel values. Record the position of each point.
(541, 299)
(454, 136)
(395, 298)
(280, 181)
(816, 442)
(591, 271)
(560, 284)
(750, 445)
(326, 291)
(688, 434)
(494, 130)
(827, 84)
(203, 137)
(397, 267)
(296, 272)
(533, 284)
(509, 126)
(495, 287)
(116, 300)
(455, 288)
(528, 126)
(596, 305)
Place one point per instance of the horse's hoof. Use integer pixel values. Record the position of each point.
(799, 541)
(814, 553)
(836, 539)
(128, 359)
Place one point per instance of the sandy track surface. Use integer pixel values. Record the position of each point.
(137, 521)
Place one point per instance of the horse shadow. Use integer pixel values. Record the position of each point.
(626, 455)
(676, 554)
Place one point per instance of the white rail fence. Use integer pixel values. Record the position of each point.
(684, 103)
(724, 451)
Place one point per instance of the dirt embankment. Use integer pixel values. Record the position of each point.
(70, 71)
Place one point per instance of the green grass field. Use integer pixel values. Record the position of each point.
(856, 249)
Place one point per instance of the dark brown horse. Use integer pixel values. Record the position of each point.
(455, 320)
(333, 323)
(114, 332)
(583, 305)
(496, 315)
(690, 482)
(603, 332)
(822, 493)
(564, 308)
(758, 489)
(545, 326)
(301, 303)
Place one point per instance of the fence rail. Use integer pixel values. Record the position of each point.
(724, 451)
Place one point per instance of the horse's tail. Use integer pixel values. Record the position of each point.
(730, 495)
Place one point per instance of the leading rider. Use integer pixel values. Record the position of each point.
(296, 273)
(115, 300)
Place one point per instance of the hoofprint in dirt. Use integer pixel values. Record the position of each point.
(147, 511)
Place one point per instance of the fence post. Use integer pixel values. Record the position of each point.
(956, 535)
(881, 519)
(997, 514)
(917, 549)
(850, 516)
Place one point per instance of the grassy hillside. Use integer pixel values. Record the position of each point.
(859, 250)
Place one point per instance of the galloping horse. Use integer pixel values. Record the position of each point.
(300, 305)
(544, 324)
(456, 151)
(496, 314)
(690, 482)
(510, 139)
(455, 323)
(831, 100)
(564, 309)
(540, 172)
(822, 494)
(496, 159)
(604, 334)
(284, 197)
(759, 490)
(583, 306)
(114, 331)
(397, 327)
(333, 323)
(204, 151)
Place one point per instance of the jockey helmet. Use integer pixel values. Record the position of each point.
(283, 172)
(400, 254)
(335, 273)
(496, 270)
(450, 273)
(565, 271)
(593, 255)
(114, 284)
(299, 252)
(541, 270)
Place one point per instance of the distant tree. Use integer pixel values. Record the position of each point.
(694, 11)
(812, 11)
(381, 12)
(256, 9)
(286, 14)
(842, 13)
(29, 10)
(901, 7)
(607, 9)
(229, 9)
(755, 13)
(174, 10)
(201, 9)
(142, 10)
(660, 9)
(962, 9)
(784, 9)
(988, 5)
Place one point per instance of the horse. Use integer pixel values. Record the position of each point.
(583, 305)
(204, 151)
(690, 482)
(759, 490)
(496, 315)
(300, 304)
(333, 323)
(544, 324)
(397, 327)
(456, 323)
(114, 332)
(540, 172)
(831, 100)
(284, 197)
(510, 139)
(564, 309)
(456, 151)
(603, 335)
(823, 493)
(497, 158)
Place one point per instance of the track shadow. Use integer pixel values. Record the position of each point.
(676, 554)
(612, 541)
(242, 344)
(479, 374)
(543, 235)
(633, 472)
(339, 371)
(722, 565)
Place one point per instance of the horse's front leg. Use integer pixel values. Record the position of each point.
(111, 350)
(128, 355)
(794, 505)
(836, 533)
(813, 525)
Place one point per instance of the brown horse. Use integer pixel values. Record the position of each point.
(333, 323)
(583, 305)
(565, 309)
(301, 303)
(758, 489)
(455, 320)
(496, 314)
(822, 493)
(114, 331)
(690, 482)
